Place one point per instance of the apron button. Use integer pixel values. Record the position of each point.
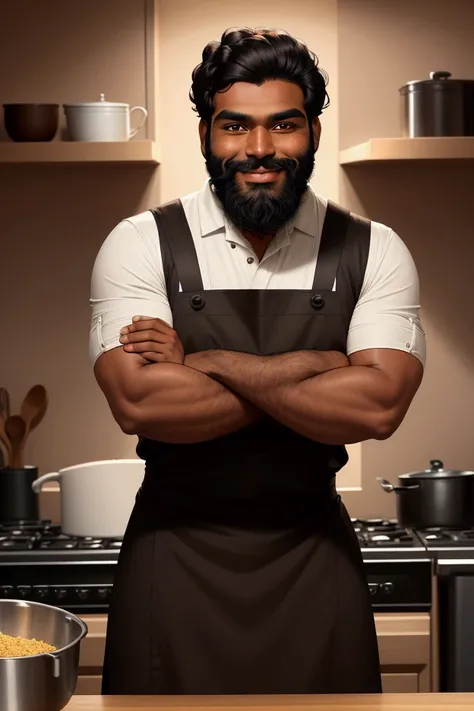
(317, 301)
(197, 302)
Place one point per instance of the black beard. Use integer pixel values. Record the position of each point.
(260, 210)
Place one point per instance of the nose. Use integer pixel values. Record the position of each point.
(259, 143)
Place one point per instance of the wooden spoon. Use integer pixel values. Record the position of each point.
(4, 403)
(4, 415)
(15, 428)
(34, 407)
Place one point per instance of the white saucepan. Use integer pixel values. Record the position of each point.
(97, 497)
(102, 120)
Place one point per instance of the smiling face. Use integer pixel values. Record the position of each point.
(259, 152)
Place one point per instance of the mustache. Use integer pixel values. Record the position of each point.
(231, 167)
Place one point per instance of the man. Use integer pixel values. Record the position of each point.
(246, 333)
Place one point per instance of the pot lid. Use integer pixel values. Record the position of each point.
(436, 471)
(97, 104)
(438, 80)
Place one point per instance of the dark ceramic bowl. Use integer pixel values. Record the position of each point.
(31, 122)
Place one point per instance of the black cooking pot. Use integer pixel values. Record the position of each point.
(433, 498)
(438, 106)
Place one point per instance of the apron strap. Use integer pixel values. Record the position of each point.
(343, 232)
(177, 245)
(333, 237)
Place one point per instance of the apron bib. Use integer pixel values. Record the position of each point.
(240, 572)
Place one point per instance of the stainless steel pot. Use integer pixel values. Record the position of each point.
(438, 106)
(435, 497)
(44, 682)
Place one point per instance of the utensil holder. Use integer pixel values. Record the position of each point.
(18, 502)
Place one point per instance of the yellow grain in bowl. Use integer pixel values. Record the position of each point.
(21, 647)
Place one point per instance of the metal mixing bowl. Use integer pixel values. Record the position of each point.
(43, 682)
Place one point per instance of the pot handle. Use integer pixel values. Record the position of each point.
(389, 487)
(38, 483)
(144, 112)
(436, 76)
(56, 665)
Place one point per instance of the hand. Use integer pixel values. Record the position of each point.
(153, 339)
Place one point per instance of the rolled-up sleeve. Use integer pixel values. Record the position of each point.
(127, 280)
(387, 314)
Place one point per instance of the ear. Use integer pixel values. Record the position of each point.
(202, 136)
(316, 128)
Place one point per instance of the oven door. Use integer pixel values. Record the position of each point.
(91, 659)
(456, 624)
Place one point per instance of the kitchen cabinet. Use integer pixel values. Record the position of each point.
(405, 651)
(400, 683)
(404, 645)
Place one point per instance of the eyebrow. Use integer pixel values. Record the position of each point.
(246, 118)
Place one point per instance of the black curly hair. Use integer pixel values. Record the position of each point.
(255, 56)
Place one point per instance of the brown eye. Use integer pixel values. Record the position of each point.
(284, 126)
(233, 128)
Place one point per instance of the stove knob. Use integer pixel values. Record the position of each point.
(373, 588)
(102, 593)
(41, 593)
(387, 588)
(24, 591)
(6, 591)
(60, 593)
(82, 593)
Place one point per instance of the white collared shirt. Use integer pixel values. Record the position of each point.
(128, 278)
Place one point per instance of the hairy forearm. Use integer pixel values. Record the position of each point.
(318, 394)
(174, 403)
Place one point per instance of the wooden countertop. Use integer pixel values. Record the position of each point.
(375, 702)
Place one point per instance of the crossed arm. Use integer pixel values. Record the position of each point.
(154, 391)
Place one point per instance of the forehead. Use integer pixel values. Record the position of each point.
(258, 101)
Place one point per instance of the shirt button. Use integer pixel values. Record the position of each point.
(250, 260)
(232, 245)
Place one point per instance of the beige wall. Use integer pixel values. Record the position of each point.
(382, 45)
(54, 219)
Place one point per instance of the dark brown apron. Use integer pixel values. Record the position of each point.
(240, 572)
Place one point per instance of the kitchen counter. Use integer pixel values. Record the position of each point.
(375, 702)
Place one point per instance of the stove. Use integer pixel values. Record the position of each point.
(452, 552)
(39, 562)
(397, 565)
(446, 543)
(381, 538)
(33, 536)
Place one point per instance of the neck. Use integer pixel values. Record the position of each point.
(259, 243)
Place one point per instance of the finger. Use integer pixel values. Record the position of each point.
(137, 323)
(154, 324)
(142, 318)
(139, 319)
(143, 347)
(142, 336)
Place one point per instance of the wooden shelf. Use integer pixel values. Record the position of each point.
(80, 152)
(379, 150)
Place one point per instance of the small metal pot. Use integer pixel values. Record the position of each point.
(438, 106)
(435, 497)
(43, 681)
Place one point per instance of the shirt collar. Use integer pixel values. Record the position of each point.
(212, 218)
